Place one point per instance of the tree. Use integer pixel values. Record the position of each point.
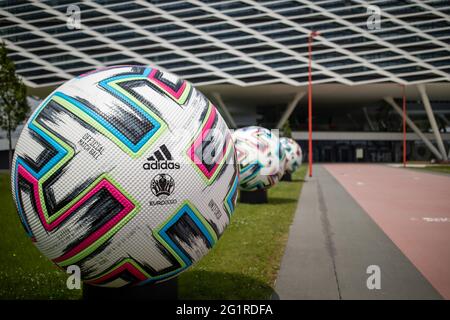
(14, 107)
(287, 132)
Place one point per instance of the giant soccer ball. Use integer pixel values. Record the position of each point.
(126, 172)
(293, 154)
(260, 158)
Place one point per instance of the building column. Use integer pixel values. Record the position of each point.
(447, 123)
(443, 118)
(369, 121)
(289, 109)
(411, 124)
(224, 108)
(432, 119)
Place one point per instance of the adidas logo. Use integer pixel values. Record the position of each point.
(161, 159)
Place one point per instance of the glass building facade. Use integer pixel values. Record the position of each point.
(232, 42)
(251, 57)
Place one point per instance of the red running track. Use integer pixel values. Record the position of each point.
(413, 210)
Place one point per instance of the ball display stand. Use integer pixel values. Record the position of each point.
(287, 177)
(167, 290)
(253, 197)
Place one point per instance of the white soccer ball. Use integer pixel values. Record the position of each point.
(260, 158)
(126, 172)
(293, 153)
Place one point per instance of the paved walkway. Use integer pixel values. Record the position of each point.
(331, 244)
(412, 208)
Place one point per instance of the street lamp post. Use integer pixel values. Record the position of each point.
(404, 126)
(310, 38)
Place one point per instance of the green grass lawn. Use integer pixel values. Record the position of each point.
(243, 264)
(437, 168)
(24, 272)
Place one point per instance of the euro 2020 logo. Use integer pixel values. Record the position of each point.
(162, 185)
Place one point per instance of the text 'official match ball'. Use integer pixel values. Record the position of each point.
(127, 172)
(293, 153)
(260, 158)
